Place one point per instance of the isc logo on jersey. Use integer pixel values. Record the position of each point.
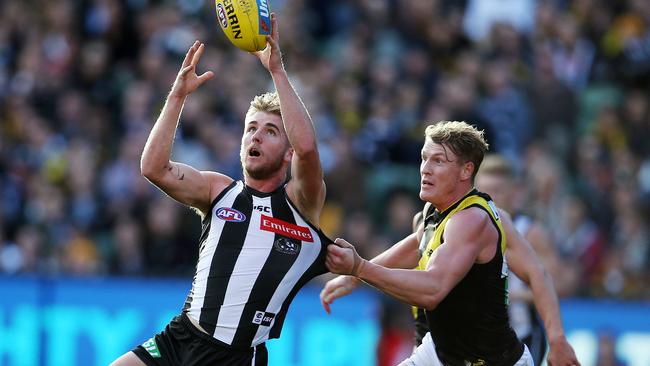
(230, 214)
(246, 23)
(263, 318)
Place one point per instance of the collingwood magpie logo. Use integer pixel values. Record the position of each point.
(286, 246)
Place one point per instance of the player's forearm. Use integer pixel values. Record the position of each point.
(297, 122)
(412, 287)
(157, 150)
(547, 304)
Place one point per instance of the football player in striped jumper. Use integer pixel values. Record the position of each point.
(260, 240)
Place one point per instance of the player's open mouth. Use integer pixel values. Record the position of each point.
(426, 183)
(254, 152)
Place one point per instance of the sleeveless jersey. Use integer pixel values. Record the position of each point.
(256, 252)
(470, 325)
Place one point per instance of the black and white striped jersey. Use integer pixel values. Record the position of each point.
(256, 252)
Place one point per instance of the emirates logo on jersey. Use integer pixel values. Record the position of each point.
(284, 228)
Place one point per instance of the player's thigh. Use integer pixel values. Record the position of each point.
(128, 359)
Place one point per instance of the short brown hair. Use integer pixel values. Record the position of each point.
(267, 102)
(465, 140)
(495, 164)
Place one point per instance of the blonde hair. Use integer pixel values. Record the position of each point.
(267, 102)
(495, 164)
(464, 140)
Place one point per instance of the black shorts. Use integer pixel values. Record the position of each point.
(181, 343)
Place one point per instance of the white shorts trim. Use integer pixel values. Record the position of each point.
(425, 355)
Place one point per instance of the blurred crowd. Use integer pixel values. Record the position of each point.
(562, 89)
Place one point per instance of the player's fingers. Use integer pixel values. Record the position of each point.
(323, 292)
(335, 252)
(274, 27)
(190, 53)
(324, 303)
(206, 76)
(197, 54)
(271, 42)
(329, 262)
(186, 70)
(335, 294)
(342, 243)
(326, 307)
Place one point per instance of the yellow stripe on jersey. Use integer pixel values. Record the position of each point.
(434, 231)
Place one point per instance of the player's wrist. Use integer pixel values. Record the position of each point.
(556, 338)
(359, 265)
(176, 96)
(353, 281)
(278, 72)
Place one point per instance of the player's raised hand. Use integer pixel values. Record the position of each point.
(335, 288)
(271, 56)
(187, 80)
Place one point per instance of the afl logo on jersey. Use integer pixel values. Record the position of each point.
(230, 214)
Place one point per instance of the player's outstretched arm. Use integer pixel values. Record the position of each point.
(306, 187)
(181, 182)
(465, 235)
(526, 265)
(404, 254)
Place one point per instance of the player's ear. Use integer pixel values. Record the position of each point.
(467, 170)
(288, 155)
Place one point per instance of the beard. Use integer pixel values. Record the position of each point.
(265, 170)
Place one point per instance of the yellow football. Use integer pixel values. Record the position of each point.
(246, 23)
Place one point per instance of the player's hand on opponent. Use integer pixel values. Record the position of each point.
(335, 288)
(561, 353)
(271, 56)
(342, 258)
(187, 80)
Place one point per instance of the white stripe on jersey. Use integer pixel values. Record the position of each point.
(200, 284)
(306, 257)
(256, 249)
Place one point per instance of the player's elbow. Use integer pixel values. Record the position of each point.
(146, 169)
(150, 170)
(430, 301)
